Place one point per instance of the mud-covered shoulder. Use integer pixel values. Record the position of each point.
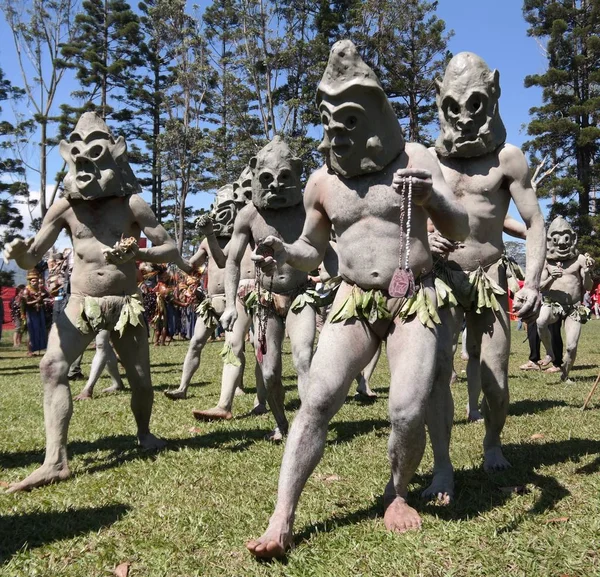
(244, 218)
(420, 156)
(513, 162)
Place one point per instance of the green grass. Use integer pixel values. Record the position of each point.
(189, 509)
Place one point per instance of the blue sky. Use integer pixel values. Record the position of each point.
(494, 29)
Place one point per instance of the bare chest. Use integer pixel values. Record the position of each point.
(286, 224)
(104, 222)
(365, 199)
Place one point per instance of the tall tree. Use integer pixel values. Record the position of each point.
(407, 45)
(565, 126)
(184, 146)
(104, 53)
(38, 28)
(13, 188)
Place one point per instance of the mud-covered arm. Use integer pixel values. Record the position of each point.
(307, 252)
(163, 247)
(204, 226)
(235, 252)
(447, 214)
(523, 195)
(330, 266)
(546, 279)
(27, 253)
(200, 256)
(586, 277)
(514, 228)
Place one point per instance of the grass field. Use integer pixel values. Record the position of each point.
(190, 509)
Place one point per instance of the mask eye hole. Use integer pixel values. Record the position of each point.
(266, 178)
(95, 152)
(351, 122)
(75, 151)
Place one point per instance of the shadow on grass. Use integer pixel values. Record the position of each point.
(21, 369)
(346, 431)
(531, 407)
(32, 530)
(165, 387)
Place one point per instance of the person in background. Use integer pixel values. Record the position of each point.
(16, 313)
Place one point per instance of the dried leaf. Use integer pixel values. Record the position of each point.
(332, 478)
(4, 484)
(122, 570)
(557, 520)
(195, 430)
(536, 436)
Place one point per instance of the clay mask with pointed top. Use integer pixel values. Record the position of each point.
(467, 100)
(361, 131)
(561, 241)
(242, 188)
(97, 163)
(224, 211)
(276, 176)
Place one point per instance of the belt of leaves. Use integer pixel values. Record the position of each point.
(370, 305)
(444, 294)
(228, 355)
(207, 313)
(515, 273)
(421, 304)
(91, 317)
(484, 290)
(581, 314)
(308, 297)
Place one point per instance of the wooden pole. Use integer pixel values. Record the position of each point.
(591, 393)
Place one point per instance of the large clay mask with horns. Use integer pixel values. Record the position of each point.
(97, 163)
(467, 99)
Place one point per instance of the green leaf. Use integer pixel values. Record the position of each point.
(228, 355)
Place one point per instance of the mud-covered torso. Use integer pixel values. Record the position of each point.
(365, 214)
(95, 225)
(216, 275)
(286, 224)
(480, 186)
(568, 288)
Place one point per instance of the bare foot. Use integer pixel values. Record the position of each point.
(113, 389)
(45, 475)
(151, 443)
(474, 416)
(441, 488)
(275, 436)
(239, 392)
(84, 396)
(545, 361)
(365, 395)
(176, 395)
(464, 356)
(494, 460)
(453, 377)
(214, 414)
(274, 542)
(400, 517)
(258, 410)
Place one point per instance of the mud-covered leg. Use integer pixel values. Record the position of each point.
(232, 374)
(343, 352)
(65, 344)
(544, 320)
(103, 358)
(473, 370)
(363, 390)
(492, 330)
(271, 373)
(132, 349)
(572, 334)
(260, 400)
(440, 408)
(411, 352)
(192, 360)
(302, 328)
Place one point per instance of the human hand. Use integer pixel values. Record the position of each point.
(587, 261)
(269, 253)
(228, 318)
(204, 225)
(422, 185)
(556, 273)
(439, 244)
(527, 303)
(16, 248)
(123, 251)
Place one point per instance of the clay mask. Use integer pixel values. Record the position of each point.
(467, 99)
(276, 176)
(224, 211)
(97, 163)
(242, 188)
(561, 240)
(362, 134)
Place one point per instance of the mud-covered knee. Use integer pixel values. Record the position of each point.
(407, 416)
(53, 369)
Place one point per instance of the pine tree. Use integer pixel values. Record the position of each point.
(13, 188)
(565, 126)
(38, 29)
(407, 46)
(104, 53)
